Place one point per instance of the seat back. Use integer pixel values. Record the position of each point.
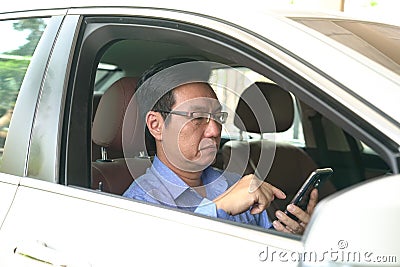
(283, 165)
(115, 119)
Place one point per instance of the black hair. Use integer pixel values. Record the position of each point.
(155, 86)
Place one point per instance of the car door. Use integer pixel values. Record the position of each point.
(65, 226)
(8, 187)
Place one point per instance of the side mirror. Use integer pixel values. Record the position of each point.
(359, 226)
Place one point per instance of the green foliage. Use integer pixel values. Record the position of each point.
(36, 27)
(373, 3)
(11, 75)
(14, 66)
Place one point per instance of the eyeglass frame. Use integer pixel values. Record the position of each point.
(189, 114)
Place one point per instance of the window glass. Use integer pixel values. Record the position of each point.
(16, 50)
(106, 75)
(229, 84)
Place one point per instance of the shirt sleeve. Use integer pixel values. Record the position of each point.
(260, 219)
(208, 208)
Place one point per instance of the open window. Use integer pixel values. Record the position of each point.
(115, 48)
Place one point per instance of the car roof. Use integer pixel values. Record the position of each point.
(219, 8)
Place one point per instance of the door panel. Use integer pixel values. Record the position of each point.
(8, 187)
(61, 225)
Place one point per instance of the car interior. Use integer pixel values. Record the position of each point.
(290, 165)
(304, 138)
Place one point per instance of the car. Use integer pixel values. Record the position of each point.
(326, 85)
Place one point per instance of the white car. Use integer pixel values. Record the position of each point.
(64, 167)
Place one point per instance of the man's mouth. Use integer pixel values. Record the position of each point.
(207, 144)
(214, 147)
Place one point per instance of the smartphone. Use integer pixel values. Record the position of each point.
(316, 179)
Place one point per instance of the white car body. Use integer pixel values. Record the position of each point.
(44, 222)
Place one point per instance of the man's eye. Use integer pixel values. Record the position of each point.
(199, 115)
(198, 118)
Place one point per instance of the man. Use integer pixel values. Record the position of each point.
(183, 115)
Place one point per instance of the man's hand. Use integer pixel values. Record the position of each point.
(248, 192)
(288, 225)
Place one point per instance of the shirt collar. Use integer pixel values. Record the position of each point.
(213, 180)
(175, 185)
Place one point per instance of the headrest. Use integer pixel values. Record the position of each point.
(280, 103)
(109, 118)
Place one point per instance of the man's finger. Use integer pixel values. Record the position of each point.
(313, 201)
(299, 213)
(280, 227)
(291, 225)
(261, 203)
(278, 193)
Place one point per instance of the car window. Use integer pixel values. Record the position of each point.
(106, 74)
(105, 155)
(15, 54)
(238, 79)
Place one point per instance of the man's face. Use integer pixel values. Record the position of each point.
(192, 144)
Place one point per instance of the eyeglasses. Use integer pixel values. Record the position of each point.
(200, 118)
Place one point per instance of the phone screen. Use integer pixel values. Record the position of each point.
(315, 180)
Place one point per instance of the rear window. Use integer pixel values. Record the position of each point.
(16, 49)
(238, 79)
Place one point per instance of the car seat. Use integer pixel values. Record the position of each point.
(282, 164)
(116, 118)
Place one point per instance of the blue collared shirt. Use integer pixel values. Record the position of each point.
(160, 185)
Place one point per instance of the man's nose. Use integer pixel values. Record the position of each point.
(213, 129)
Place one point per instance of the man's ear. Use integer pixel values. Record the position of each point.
(155, 122)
